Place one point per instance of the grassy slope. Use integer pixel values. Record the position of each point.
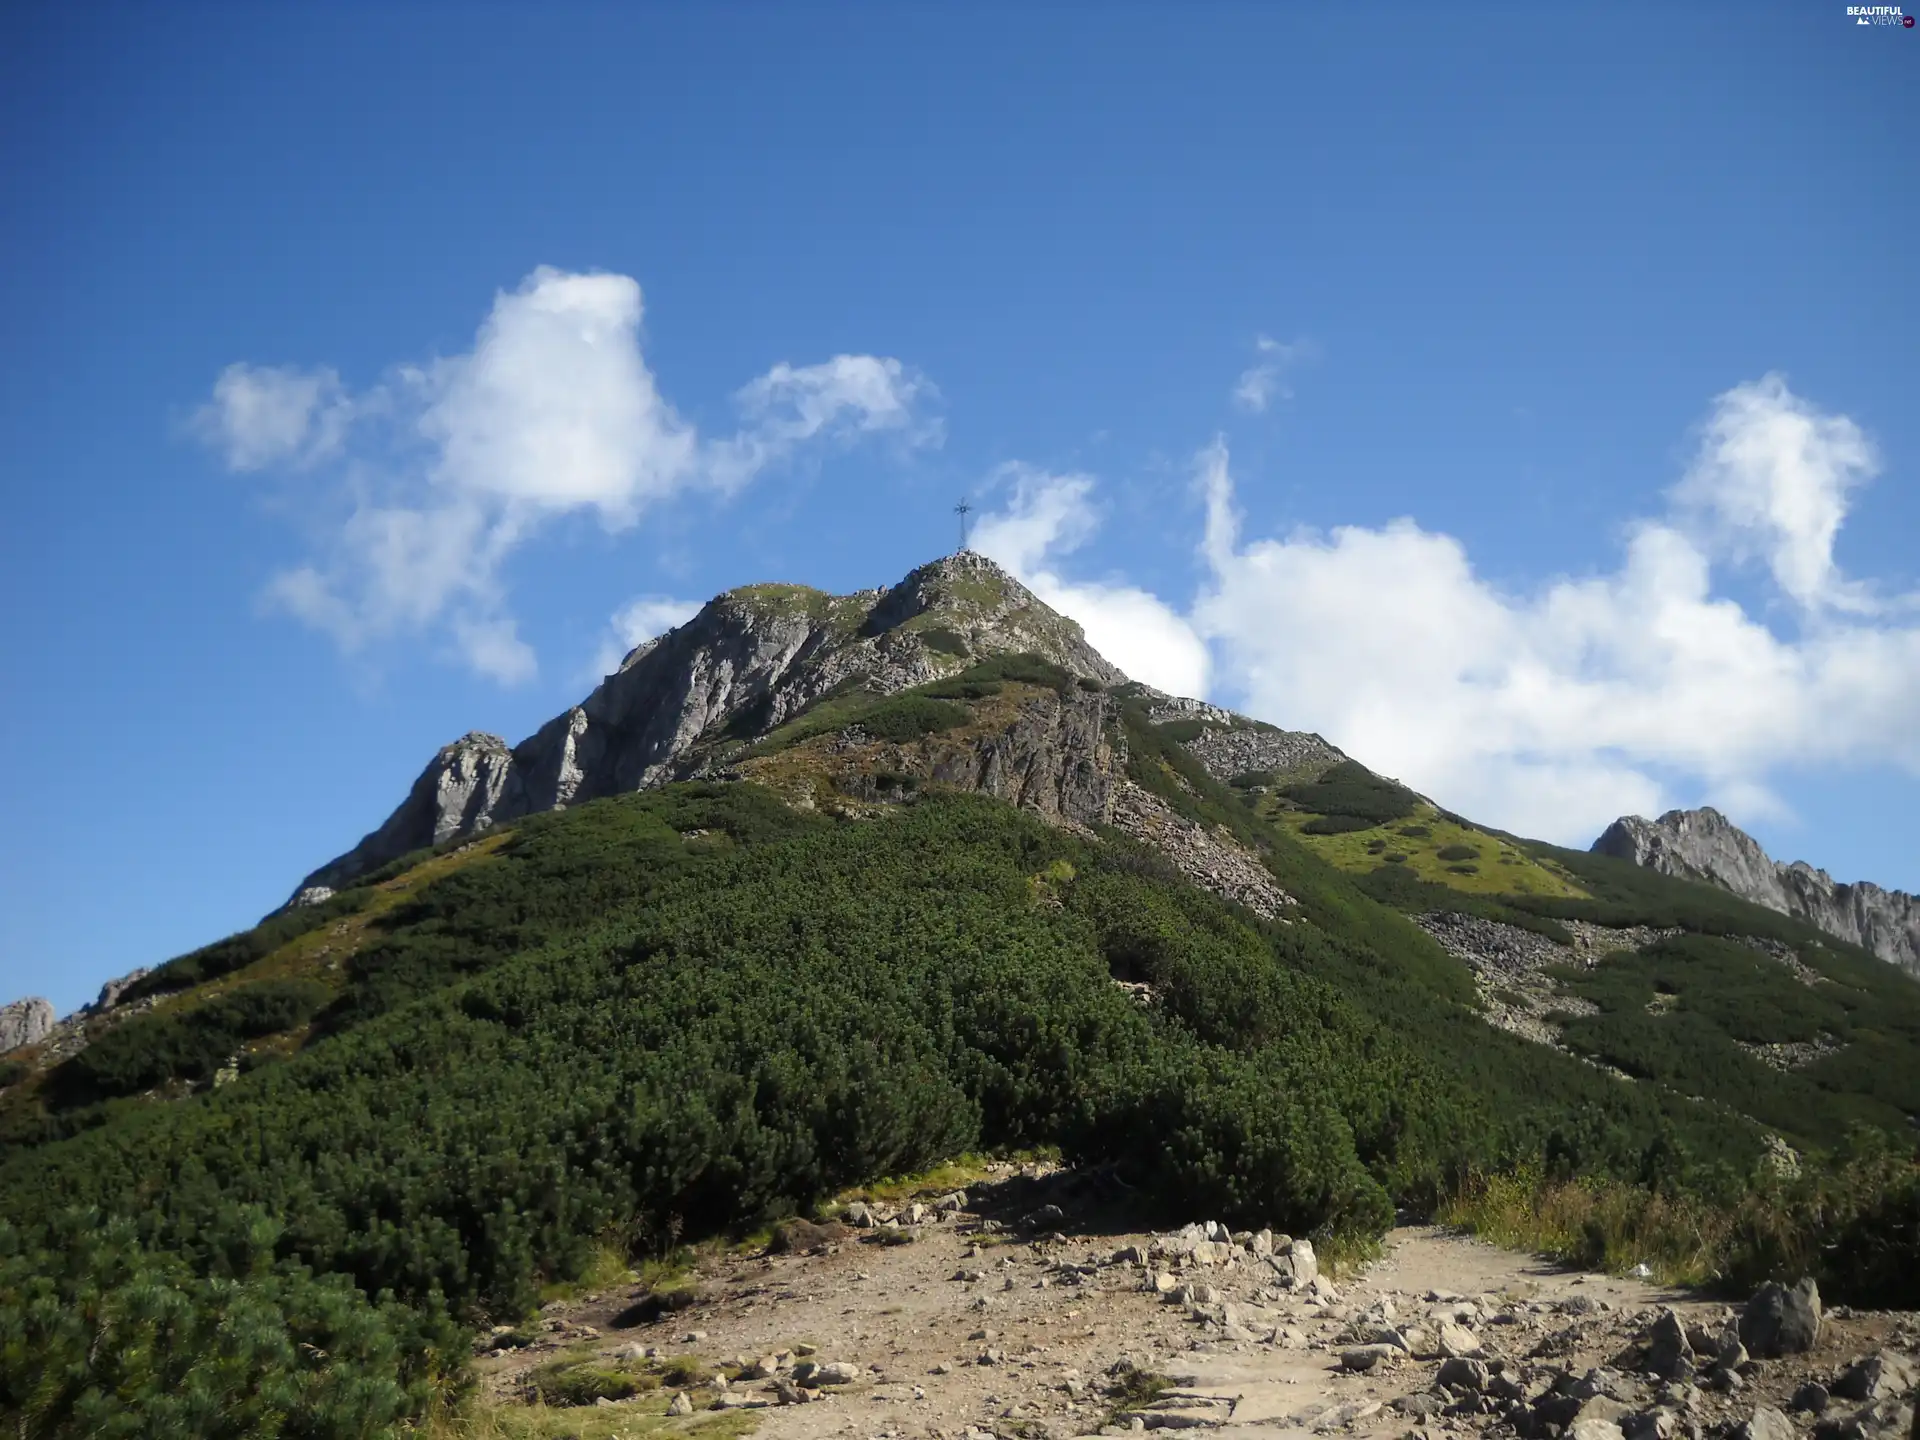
(1498, 867)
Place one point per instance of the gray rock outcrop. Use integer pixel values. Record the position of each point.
(750, 660)
(110, 993)
(25, 1022)
(1704, 845)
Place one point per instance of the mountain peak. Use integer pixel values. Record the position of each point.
(1704, 845)
(753, 658)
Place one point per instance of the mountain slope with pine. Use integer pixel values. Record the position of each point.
(816, 889)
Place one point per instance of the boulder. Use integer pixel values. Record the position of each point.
(1781, 1321)
(1876, 1377)
(1456, 1340)
(1296, 1266)
(839, 1372)
(860, 1215)
(1810, 1399)
(1669, 1353)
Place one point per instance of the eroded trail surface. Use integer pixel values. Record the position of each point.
(1015, 1312)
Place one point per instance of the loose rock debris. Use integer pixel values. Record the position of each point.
(1007, 1312)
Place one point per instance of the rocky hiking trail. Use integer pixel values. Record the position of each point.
(1017, 1309)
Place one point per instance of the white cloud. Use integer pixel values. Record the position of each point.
(1265, 380)
(1551, 711)
(554, 407)
(635, 623)
(1047, 516)
(1771, 482)
(263, 415)
(447, 468)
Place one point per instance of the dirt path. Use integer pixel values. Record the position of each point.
(982, 1325)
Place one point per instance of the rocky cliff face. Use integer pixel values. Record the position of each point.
(750, 660)
(1704, 845)
(24, 1022)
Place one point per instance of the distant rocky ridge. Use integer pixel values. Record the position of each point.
(1704, 845)
(32, 1021)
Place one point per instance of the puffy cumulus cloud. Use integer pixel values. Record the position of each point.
(262, 415)
(1553, 710)
(554, 408)
(1771, 482)
(1264, 381)
(1047, 516)
(638, 621)
(445, 469)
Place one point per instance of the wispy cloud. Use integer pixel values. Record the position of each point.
(444, 469)
(264, 415)
(643, 618)
(1265, 381)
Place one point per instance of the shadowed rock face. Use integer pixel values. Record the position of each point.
(750, 660)
(1704, 845)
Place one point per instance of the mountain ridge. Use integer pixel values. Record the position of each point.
(752, 658)
(1703, 844)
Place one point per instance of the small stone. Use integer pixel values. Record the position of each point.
(680, 1404)
(1810, 1399)
(1650, 1425)
(1766, 1423)
(1362, 1358)
(1455, 1340)
(1463, 1373)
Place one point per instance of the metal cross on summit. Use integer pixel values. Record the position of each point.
(963, 509)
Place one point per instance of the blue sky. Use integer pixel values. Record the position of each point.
(1521, 395)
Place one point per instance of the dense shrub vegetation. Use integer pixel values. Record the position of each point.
(697, 1011)
(100, 1338)
(1680, 1011)
(1352, 790)
(150, 1050)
